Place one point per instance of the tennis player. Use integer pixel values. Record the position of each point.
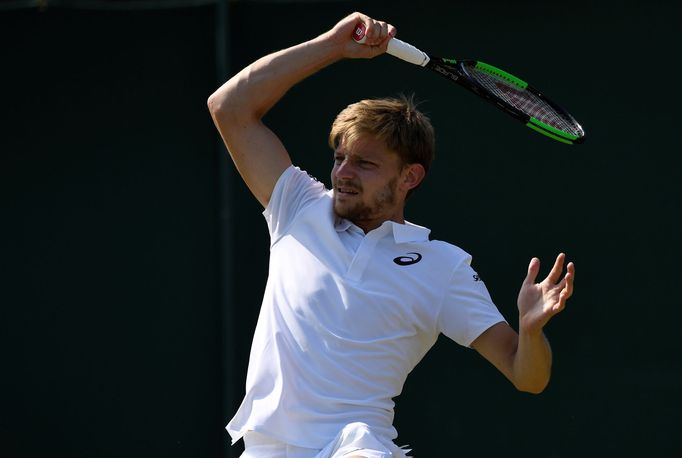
(356, 295)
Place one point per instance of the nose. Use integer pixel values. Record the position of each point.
(344, 170)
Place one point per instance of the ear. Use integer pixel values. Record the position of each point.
(412, 175)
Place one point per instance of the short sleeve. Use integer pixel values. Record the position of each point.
(294, 191)
(467, 309)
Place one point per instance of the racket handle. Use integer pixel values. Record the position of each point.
(407, 52)
(396, 48)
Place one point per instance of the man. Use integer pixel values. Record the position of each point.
(356, 295)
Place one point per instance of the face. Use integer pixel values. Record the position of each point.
(365, 179)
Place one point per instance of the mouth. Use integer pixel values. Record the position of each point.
(347, 191)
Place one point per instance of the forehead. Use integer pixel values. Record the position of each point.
(365, 146)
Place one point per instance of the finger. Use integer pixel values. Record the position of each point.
(566, 288)
(379, 33)
(370, 30)
(372, 34)
(568, 280)
(384, 31)
(561, 304)
(533, 269)
(388, 32)
(558, 267)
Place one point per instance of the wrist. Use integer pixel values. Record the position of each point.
(530, 328)
(330, 44)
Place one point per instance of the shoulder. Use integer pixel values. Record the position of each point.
(295, 177)
(295, 187)
(451, 254)
(294, 192)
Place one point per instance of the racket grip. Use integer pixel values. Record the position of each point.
(407, 52)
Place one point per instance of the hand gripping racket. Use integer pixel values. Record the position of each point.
(507, 92)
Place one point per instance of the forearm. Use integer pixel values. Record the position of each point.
(257, 88)
(532, 362)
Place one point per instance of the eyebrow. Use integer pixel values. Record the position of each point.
(357, 157)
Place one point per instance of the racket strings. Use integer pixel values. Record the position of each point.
(525, 101)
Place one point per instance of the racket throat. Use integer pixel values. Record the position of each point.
(444, 71)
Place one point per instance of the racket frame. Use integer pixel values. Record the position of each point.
(455, 70)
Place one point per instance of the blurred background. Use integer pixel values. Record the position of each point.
(134, 259)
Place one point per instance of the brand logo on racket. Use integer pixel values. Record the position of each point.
(359, 32)
(445, 72)
(408, 260)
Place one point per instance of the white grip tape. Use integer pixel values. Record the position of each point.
(407, 52)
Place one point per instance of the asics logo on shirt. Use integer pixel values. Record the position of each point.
(408, 260)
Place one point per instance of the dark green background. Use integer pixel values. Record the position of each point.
(133, 258)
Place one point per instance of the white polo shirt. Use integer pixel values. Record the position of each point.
(346, 316)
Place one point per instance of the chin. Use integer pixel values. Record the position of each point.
(344, 210)
(340, 211)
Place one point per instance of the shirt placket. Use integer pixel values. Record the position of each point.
(364, 253)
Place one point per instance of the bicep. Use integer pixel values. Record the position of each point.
(258, 154)
(498, 345)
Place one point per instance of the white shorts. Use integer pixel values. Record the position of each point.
(356, 439)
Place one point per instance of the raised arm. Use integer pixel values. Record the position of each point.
(526, 358)
(238, 106)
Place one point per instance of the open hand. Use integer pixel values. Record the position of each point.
(539, 302)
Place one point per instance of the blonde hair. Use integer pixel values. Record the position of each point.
(394, 121)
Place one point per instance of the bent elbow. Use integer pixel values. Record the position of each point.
(222, 112)
(223, 100)
(226, 108)
(214, 103)
(532, 388)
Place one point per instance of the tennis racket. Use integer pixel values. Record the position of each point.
(507, 92)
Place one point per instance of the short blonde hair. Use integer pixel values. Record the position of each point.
(394, 121)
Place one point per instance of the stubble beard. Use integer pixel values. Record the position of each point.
(363, 211)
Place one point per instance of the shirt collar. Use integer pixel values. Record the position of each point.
(408, 232)
(342, 224)
(402, 233)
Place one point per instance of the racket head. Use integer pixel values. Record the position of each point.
(519, 99)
